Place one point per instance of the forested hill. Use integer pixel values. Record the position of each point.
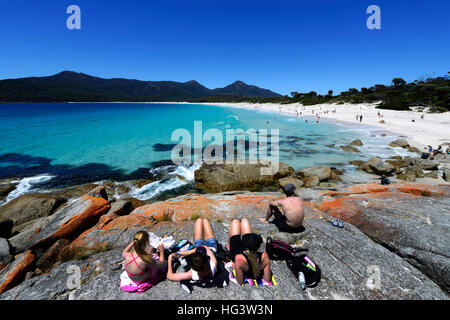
(78, 87)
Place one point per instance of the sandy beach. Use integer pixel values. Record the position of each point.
(433, 130)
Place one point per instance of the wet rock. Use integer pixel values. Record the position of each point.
(349, 148)
(289, 180)
(16, 270)
(336, 171)
(399, 143)
(323, 172)
(5, 189)
(311, 181)
(356, 162)
(228, 177)
(380, 167)
(356, 142)
(31, 206)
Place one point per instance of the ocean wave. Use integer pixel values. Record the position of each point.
(27, 185)
(181, 176)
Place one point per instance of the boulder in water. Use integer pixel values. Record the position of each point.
(229, 177)
(380, 167)
(399, 143)
(31, 206)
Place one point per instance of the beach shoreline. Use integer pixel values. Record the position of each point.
(432, 130)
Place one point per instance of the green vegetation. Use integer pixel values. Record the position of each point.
(400, 95)
(78, 87)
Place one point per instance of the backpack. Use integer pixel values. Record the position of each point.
(279, 250)
(304, 264)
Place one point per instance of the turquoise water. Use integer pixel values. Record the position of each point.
(80, 142)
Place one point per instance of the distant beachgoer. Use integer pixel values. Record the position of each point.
(447, 151)
(357, 116)
(290, 217)
(421, 117)
(430, 149)
(203, 263)
(360, 118)
(244, 246)
(384, 180)
(141, 267)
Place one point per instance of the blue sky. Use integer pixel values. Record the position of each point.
(281, 45)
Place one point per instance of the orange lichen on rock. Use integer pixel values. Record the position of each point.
(97, 207)
(341, 208)
(357, 189)
(424, 190)
(16, 270)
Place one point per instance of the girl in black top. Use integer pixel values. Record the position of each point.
(244, 246)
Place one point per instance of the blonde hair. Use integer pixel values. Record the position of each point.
(140, 243)
(255, 265)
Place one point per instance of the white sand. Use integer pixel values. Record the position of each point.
(433, 130)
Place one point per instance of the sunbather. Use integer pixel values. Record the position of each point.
(247, 261)
(143, 267)
(203, 262)
(290, 219)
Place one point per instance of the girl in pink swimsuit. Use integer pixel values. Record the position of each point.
(144, 268)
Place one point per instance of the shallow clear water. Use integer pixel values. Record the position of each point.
(79, 142)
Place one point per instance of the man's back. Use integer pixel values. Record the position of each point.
(293, 210)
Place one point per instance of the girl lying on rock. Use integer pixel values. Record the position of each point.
(248, 262)
(202, 260)
(143, 268)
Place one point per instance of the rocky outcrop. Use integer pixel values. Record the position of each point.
(346, 256)
(378, 166)
(16, 270)
(399, 143)
(66, 222)
(323, 172)
(5, 253)
(356, 142)
(229, 177)
(297, 183)
(410, 220)
(5, 189)
(31, 206)
(52, 255)
(349, 148)
(399, 229)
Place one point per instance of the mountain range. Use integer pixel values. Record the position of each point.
(79, 87)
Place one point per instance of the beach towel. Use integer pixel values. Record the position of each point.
(128, 285)
(260, 282)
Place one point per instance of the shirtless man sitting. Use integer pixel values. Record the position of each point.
(290, 217)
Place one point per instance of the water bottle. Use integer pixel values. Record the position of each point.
(301, 279)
